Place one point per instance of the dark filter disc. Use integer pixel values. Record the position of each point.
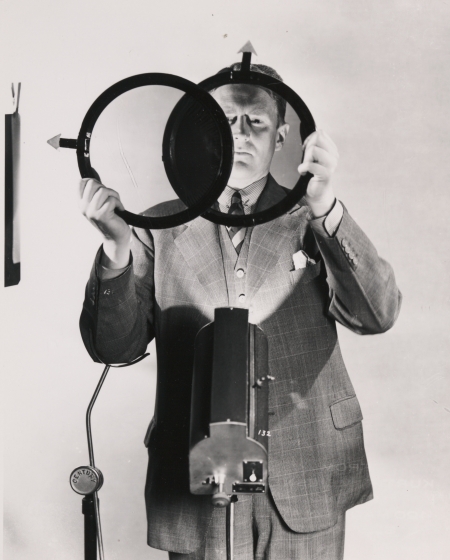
(192, 150)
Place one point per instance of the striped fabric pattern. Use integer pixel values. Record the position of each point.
(238, 203)
(249, 195)
(236, 233)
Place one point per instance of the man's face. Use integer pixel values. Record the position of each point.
(253, 118)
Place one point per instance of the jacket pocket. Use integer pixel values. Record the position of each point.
(148, 434)
(305, 274)
(346, 412)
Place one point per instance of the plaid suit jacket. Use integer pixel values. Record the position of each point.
(317, 462)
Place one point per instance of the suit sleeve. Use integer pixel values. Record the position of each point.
(363, 295)
(116, 322)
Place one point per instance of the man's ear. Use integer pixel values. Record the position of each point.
(282, 132)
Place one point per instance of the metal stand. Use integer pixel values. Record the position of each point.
(230, 530)
(88, 480)
(91, 505)
(90, 528)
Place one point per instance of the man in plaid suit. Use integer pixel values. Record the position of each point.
(297, 275)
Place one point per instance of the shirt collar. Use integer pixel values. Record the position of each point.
(249, 194)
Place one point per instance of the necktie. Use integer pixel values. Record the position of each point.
(236, 234)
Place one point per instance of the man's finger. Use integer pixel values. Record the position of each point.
(111, 203)
(82, 186)
(309, 139)
(316, 169)
(319, 155)
(322, 140)
(326, 139)
(91, 187)
(83, 183)
(100, 196)
(95, 194)
(98, 199)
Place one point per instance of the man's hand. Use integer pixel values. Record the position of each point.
(97, 205)
(320, 158)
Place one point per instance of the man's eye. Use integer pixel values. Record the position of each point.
(231, 120)
(255, 121)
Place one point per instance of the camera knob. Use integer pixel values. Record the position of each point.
(86, 480)
(220, 499)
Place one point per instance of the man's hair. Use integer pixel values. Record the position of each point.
(263, 69)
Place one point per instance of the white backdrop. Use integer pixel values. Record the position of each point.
(375, 76)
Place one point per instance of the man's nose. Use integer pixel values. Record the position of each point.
(240, 128)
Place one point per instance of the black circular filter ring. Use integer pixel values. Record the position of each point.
(307, 127)
(208, 103)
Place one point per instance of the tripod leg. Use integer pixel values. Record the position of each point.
(230, 530)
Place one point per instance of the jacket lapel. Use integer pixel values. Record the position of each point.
(269, 240)
(199, 244)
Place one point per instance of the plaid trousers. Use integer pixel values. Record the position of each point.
(261, 534)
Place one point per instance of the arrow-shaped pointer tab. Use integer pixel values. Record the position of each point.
(247, 51)
(54, 142)
(58, 142)
(248, 48)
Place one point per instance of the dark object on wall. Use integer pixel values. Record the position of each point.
(12, 158)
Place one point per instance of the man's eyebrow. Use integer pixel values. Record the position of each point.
(253, 110)
(258, 110)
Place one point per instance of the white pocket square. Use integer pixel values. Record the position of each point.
(301, 260)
